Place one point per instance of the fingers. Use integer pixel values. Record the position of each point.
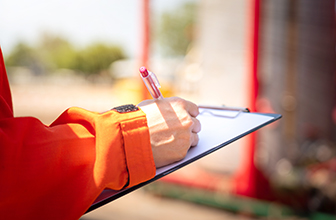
(194, 139)
(196, 125)
(192, 108)
(195, 129)
(193, 111)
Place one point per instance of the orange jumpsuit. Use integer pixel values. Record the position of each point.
(57, 171)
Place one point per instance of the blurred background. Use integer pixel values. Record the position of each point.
(269, 56)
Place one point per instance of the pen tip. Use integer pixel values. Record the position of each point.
(143, 71)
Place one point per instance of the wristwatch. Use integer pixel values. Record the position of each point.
(126, 108)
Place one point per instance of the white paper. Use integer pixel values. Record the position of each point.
(219, 129)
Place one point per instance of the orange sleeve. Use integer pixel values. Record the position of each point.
(57, 171)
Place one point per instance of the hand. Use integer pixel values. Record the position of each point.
(173, 128)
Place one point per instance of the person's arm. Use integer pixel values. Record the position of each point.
(57, 171)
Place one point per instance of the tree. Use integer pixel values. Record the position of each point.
(57, 52)
(97, 57)
(21, 55)
(54, 52)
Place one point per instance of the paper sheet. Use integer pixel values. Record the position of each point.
(218, 129)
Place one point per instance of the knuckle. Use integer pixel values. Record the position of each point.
(198, 126)
(189, 123)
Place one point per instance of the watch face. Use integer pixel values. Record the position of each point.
(126, 108)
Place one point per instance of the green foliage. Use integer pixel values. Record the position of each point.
(97, 57)
(54, 52)
(176, 30)
(21, 55)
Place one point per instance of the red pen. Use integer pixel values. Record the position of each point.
(151, 82)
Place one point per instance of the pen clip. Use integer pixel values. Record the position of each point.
(236, 111)
(155, 79)
(220, 115)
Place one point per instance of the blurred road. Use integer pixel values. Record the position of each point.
(140, 205)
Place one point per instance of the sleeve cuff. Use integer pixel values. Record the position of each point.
(138, 151)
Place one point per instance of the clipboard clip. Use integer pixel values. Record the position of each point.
(209, 109)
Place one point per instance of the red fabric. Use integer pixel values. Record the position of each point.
(5, 95)
(57, 171)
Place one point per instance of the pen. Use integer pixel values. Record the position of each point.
(151, 82)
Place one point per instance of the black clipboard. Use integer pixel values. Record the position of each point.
(216, 122)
